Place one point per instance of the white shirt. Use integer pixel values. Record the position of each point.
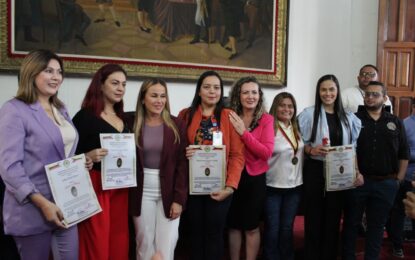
(353, 98)
(282, 172)
(67, 130)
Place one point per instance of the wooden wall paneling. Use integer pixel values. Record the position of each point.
(410, 22)
(401, 23)
(396, 51)
(392, 20)
(405, 62)
(389, 69)
(405, 106)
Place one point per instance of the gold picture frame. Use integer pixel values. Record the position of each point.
(79, 63)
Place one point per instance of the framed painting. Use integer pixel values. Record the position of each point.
(172, 39)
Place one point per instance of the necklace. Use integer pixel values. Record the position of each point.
(109, 113)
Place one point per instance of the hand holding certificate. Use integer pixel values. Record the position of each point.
(207, 169)
(72, 189)
(118, 166)
(340, 168)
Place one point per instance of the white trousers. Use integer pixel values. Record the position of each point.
(153, 231)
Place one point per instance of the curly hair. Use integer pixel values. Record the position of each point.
(235, 99)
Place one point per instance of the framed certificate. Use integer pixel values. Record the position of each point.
(207, 169)
(72, 189)
(118, 168)
(340, 168)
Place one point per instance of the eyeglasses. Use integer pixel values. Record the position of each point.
(372, 94)
(368, 74)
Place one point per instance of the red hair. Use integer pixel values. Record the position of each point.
(94, 100)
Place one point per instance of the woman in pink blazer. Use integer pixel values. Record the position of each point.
(256, 129)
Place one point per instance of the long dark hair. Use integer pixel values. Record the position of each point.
(197, 100)
(338, 105)
(94, 100)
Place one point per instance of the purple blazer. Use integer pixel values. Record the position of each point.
(28, 141)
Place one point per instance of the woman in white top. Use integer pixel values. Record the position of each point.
(283, 179)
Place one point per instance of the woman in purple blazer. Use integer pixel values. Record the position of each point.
(35, 130)
(162, 173)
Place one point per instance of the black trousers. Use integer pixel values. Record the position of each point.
(207, 219)
(322, 214)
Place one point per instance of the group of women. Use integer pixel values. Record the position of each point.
(265, 155)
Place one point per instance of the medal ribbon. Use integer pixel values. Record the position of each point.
(294, 146)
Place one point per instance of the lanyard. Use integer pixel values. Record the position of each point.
(294, 160)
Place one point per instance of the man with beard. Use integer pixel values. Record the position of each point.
(382, 158)
(353, 97)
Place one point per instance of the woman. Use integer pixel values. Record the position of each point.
(162, 176)
(105, 235)
(36, 130)
(208, 119)
(283, 179)
(257, 133)
(322, 125)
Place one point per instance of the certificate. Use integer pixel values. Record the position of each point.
(72, 189)
(118, 169)
(207, 169)
(340, 168)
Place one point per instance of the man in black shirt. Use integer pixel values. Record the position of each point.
(382, 157)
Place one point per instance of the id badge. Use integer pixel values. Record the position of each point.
(217, 138)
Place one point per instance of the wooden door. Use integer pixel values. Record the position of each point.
(396, 50)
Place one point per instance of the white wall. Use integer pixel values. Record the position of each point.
(325, 36)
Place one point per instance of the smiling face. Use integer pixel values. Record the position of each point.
(249, 95)
(210, 91)
(49, 80)
(155, 100)
(113, 88)
(328, 92)
(285, 110)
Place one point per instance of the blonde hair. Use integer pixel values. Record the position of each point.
(33, 64)
(140, 111)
